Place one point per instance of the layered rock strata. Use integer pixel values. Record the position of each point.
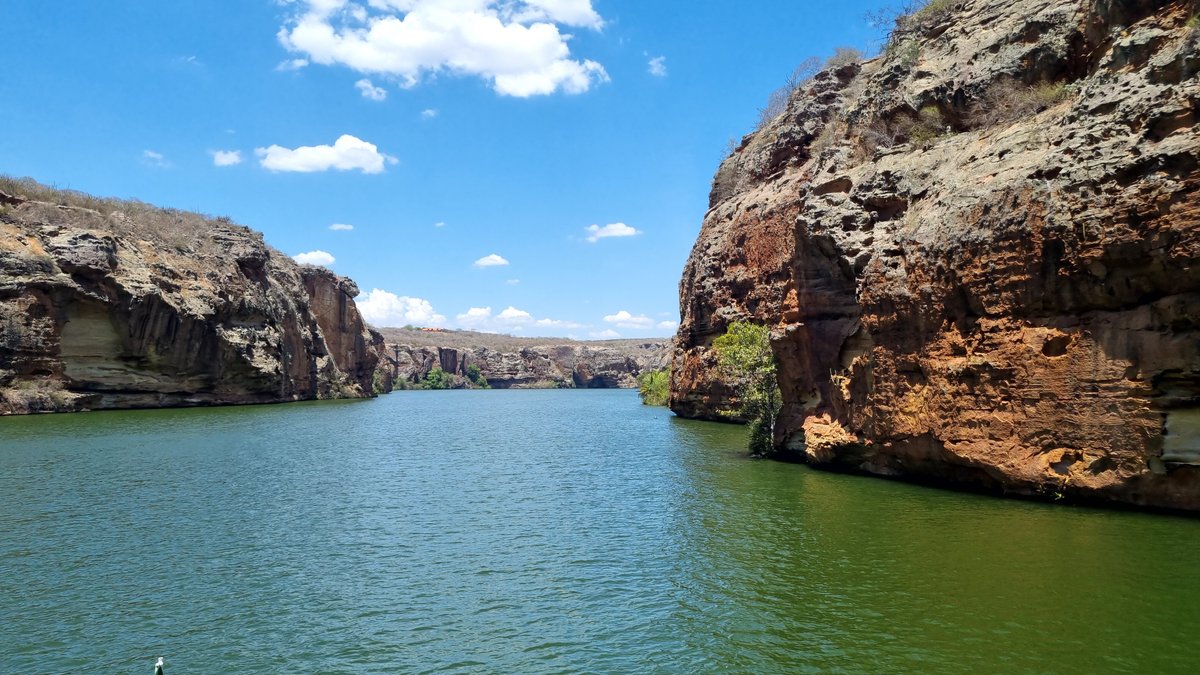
(563, 366)
(120, 305)
(978, 254)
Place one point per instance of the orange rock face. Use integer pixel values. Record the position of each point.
(979, 256)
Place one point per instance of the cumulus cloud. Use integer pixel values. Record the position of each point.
(346, 154)
(515, 45)
(314, 258)
(226, 157)
(624, 319)
(370, 91)
(596, 232)
(341, 227)
(513, 282)
(381, 308)
(475, 318)
(429, 113)
(509, 320)
(491, 260)
(668, 325)
(439, 224)
(606, 334)
(658, 66)
(514, 315)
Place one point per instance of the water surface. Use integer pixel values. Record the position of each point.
(543, 531)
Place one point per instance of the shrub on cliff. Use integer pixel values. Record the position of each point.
(1008, 101)
(438, 379)
(475, 375)
(744, 355)
(654, 386)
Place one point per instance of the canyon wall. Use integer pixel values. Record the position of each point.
(109, 304)
(978, 254)
(521, 363)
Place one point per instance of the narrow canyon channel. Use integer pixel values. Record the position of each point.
(543, 531)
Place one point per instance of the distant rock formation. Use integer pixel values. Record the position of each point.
(979, 254)
(109, 304)
(521, 363)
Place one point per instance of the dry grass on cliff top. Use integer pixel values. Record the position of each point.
(182, 230)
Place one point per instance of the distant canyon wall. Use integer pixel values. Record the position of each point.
(107, 304)
(573, 366)
(979, 255)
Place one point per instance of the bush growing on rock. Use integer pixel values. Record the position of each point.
(778, 100)
(745, 357)
(438, 379)
(1008, 101)
(475, 375)
(844, 56)
(654, 386)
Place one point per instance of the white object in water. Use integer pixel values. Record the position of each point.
(158, 667)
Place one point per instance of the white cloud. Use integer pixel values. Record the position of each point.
(606, 334)
(512, 282)
(514, 315)
(554, 323)
(624, 319)
(382, 308)
(155, 159)
(515, 45)
(658, 66)
(341, 227)
(314, 258)
(226, 157)
(429, 113)
(345, 154)
(291, 64)
(492, 260)
(439, 224)
(474, 316)
(668, 325)
(370, 91)
(596, 233)
(510, 320)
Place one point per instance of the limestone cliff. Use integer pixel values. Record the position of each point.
(109, 304)
(520, 363)
(978, 253)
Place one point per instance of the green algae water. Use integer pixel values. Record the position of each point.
(544, 532)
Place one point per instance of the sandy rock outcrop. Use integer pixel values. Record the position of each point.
(120, 305)
(978, 254)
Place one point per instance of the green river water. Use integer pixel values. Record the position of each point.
(544, 532)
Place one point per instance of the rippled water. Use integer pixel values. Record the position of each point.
(543, 531)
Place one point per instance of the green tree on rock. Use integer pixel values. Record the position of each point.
(654, 386)
(438, 379)
(476, 376)
(745, 357)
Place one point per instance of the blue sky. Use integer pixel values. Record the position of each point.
(447, 133)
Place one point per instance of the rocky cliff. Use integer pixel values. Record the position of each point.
(520, 363)
(109, 304)
(978, 254)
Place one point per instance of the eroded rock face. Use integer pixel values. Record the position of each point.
(567, 366)
(1010, 302)
(93, 316)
